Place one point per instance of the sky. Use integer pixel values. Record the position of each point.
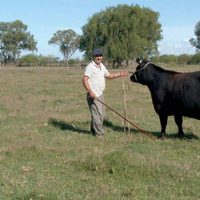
(45, 17)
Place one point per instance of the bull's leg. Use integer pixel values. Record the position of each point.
(163, 123)
(179, 121)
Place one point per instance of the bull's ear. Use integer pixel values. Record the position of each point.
(138, 60)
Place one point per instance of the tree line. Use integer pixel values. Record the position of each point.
(46, 61)
(123, 32)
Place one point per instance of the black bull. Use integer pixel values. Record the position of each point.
(173, 93)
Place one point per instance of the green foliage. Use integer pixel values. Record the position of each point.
(47, 60)
(195, 59)
(180, 59)
(123, 32)
(35, 60)
(165, 59)
(68, 42)
(13, 39)
(73, 62)
(184, 59)
(28, 60)
(196, 42)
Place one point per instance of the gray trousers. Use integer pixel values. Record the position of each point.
(97, 110)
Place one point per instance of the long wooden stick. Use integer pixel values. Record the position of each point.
(137, 127)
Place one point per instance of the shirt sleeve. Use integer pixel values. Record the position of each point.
(106, 72)
(88, 70)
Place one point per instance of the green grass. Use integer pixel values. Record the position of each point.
(46, 151)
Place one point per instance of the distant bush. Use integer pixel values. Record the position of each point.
(195, 59)
(28, 60)
(35, 60)
(165, 59)
(180, 59)
(73, 62)
(184, 59)
(39, 60)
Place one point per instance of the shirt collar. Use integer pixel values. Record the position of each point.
(98, 66)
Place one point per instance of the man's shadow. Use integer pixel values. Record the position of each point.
(75, 127)
(64, 126)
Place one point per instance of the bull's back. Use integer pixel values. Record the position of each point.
(186, 94)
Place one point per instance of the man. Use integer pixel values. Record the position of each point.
(94, 82)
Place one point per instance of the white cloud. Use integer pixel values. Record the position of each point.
(174, 33)
(176, 48)
(176, 40)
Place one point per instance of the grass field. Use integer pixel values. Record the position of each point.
(47, 153)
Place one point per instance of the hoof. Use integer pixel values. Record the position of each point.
(181, 135)
(162, 135)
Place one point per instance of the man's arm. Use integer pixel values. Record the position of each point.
(117, 75)
(87, 86)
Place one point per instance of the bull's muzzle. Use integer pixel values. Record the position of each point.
(133, 78)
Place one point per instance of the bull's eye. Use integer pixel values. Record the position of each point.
(138, 67)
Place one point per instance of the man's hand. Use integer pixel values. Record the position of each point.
(123, 73)
(92, 94)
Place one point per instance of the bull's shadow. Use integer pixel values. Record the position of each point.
(186, 136)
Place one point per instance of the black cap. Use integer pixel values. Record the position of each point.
(96, 52)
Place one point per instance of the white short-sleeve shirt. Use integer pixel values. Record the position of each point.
(96, 76)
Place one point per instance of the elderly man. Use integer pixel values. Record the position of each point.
(94, 83)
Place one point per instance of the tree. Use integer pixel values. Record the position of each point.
(67, 40)
(123, 32)
(13, 39)
(196, 42)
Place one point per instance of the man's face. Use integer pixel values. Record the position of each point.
(98, 59)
